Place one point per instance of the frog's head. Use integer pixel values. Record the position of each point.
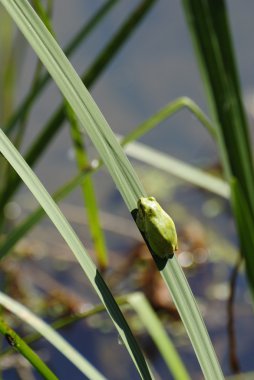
(147, 206)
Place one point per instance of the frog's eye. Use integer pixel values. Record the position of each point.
(152, 199)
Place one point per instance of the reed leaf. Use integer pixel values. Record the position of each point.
(20, 346)
(212, 39)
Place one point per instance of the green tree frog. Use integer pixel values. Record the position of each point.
(157, 227)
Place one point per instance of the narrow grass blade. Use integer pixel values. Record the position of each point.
(8, 68)
(219, 17)
(63, 322)
(211, 34)
(19, 345)
(165, 113)
(43, 14)
(178, 168)
(190, 315)
(153, 325)
(32, 182)
(87, 187)
(51, 335)
(244, 224)
(209, 25)
(8, 72)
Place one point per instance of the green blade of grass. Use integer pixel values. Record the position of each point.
(211, 34)
(44, 13)
(51, 335)
(194, 324)
(244, 224)
(63, 322)
(209, 26)
(88, 191)
(153, 325)
(167, 111)
(32, 182)
(19, 345)
(8, 68)
(221, 26)
(8, 72)
(178, 168)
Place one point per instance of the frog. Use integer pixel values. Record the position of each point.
(157, 227)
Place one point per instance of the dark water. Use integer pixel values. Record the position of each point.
(156, 66)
